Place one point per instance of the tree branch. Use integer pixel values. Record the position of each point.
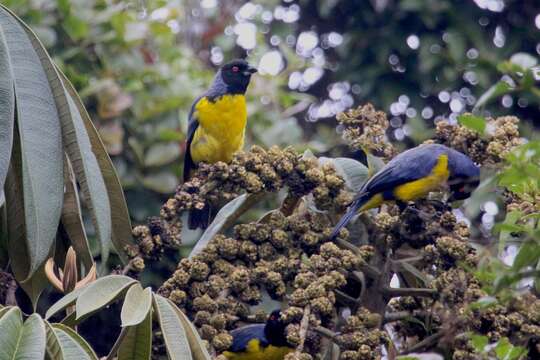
(303, 329)
(424, 344)
(394, 292)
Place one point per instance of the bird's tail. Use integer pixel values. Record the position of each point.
(199, 218)
(353, 209)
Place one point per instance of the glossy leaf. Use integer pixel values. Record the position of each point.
(524, 60)
(137, 344)
(72, 344)
(100, 293)
(72, 218)
(33, 339)
(11, 324)
(136, 305)
(40, 145)
(173, 331)
(64, 302)
(7, 110)
(121, 224)
(198, 348)
(78, 149)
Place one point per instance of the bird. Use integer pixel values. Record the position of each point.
(260, 341)
(412, 175)
(216, 126)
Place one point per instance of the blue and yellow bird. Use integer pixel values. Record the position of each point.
(260, 341)
(412, 175)
(217, 123)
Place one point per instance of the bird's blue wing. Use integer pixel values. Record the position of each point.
(243, 335)
(408, 166)
(193, 124)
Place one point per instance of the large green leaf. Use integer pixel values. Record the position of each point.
(11, 324)
(40, 145)
(137, 344)
(53, 346)
(121, 225)
(72, 344)
(64, 302)
(173, 331)
(7, 110)
(198, 349)
(78, 148)
(136, 305)
(224, 218)
(72, 218)
(100, 293)
(33, 339)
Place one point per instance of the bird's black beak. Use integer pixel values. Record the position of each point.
(250, 70)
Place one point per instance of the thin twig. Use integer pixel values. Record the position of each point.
(424, 344)
(402, 315)
(327, 333)
(344, 298)
(394, 292)
(117, 344)
(304, 324)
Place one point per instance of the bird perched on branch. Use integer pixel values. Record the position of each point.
(412, 175)
(217, 123)
(260, 341)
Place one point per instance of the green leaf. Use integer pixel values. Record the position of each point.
(162, 154)
(100, 293)
(198, 349)
(375, 163)
(353, 172)
(528, 254)
(11, 324)
(72, 218)
(137, 344)
(224, 218)
(121, 224)
(53, 346)
(479, 342)
(500, 88)
(7, 110)
(64, 302)
(40, 146)
(72, 344)
(524, 60)
(75, 27)
(506, 351)
(136, 305)
(78, 149)
(174, 334)
(476, 123)
(33, 340)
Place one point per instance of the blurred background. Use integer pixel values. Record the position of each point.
(138, 65)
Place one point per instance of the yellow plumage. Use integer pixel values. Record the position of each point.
(221, 129)
(256, 352)
(416, 189)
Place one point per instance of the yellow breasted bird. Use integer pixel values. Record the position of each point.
(260, 341)
(412, 175)
(217, 123)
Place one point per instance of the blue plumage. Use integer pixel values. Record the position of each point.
(243, 335)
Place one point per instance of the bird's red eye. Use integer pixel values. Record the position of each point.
(235, 69)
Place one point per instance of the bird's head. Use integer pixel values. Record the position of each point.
(274, 330)
(236, 75)
(464, 178)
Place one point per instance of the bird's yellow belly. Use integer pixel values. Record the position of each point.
(256, 352)
(221, 129)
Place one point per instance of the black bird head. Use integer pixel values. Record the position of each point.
(236, 75)
(464, 176)
(274, 330)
